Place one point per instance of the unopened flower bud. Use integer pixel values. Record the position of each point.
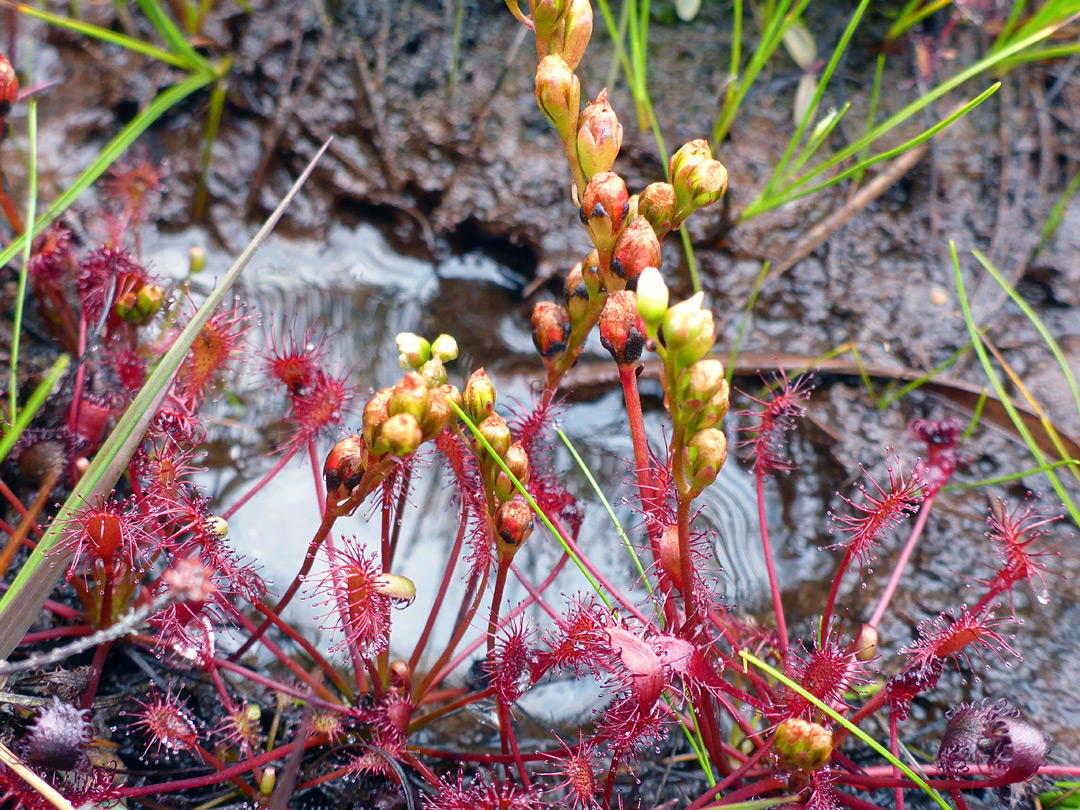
(517, 461)
(268, 781)
(715, 409)
(216, 527)
(149, 300)
(803, 746)
(865, 644)
(636, 248)
(344, 467)
(438, 414)
(452, 394)
(400, 589)
(196, 260)
(621, 330)
(590, 272)
(479, 397)
(410, 396)
(707, 182)
(698, 382)
(496, 432)
(400, 434)
(558, 93)
(708, 452)
(9, 86)
(445, 348)
(513, 525)
(572, 33)
(550, 328)
(656, 204)
(433, 372)
(125, 307)
(604, 207)
(577, 295)
(545, 14)
(413, 350)
(375, 413)
(599, 136)
(682, 163)
(652, 299)
(688, 330)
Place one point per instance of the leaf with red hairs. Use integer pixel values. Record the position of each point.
(775, 418)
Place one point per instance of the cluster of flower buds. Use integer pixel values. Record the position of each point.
(513, 518)
(138, 307)
(398, 419)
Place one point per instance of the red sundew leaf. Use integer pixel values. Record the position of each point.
(641, 661)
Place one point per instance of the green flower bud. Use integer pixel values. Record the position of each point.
(688, 330)
(572, 33)
(413, 350)
(216, 527)
(545, 15)
(437, 416)
(599, 136)
(479, 397)
(707, 182)
(604, 207)
(714, 410)
(400, 434)
(375, 413)
(517, 460)
(590, 273)
(400, 589)
(148, 301)
(196, 260)
(652, 299)
(496, 432)
(682, 163)
(802, 746)
(698, 382)
(433, 372)
(707, 452)
(558, 93)
(445, 348)
(410, 396)
(577, 295)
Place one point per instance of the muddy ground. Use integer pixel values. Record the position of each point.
(449, 162)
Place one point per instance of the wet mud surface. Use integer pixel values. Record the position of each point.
(445, 194)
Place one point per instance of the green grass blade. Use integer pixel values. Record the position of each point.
(872, 110)
(104, 35)
(174, 37)
(1051, 343)
(110, 153)
(854, 729)
(826, 75)
(755, 804)
(907, 388)
(32, 406)
(818, 137)
(1004, 479)
(980, 403)
(1058, 211)
(213, 122)
(28, 242)
(1018, 423)
(22, 602)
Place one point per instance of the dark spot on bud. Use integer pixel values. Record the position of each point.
(581, 291)
(554, 349)
(581, 215)
(508, 538)
(333, 480)
(353, 481)
(599, 211)
(631, 283)
(617, 267)
(5, 108)
(635, 343)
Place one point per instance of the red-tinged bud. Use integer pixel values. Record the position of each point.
(577, 295)
(865, 644)
(445, 348)
(590, 272)
(413, 350)
(437, 416)
(707, 182)
(599, 136)
(683, 162)
(513, 525)
(670, 560)
(621, 330)
(410, 396)
(400, 435)
(9, 86)
(657, 205)
(688, 330)
(452, 394)
(636, 248)
(433, 372)
(479, 397)
(551, 328)
(558, 93)
(572, 33)
(125, 307)
(517, 461)
(698, 382)
(545, 15)
(496, 432)
(375, 413)
(344, 467)
(148, 301)
(707, 452)
(604, 207)
(802, 746)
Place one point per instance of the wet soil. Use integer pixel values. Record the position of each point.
(445, 194)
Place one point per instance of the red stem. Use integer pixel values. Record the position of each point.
(770, 565)
(251, 493)
(729, 780)
(448, 574)
(320, 491)
(223, 775)
(826, 617)
(901, 564)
